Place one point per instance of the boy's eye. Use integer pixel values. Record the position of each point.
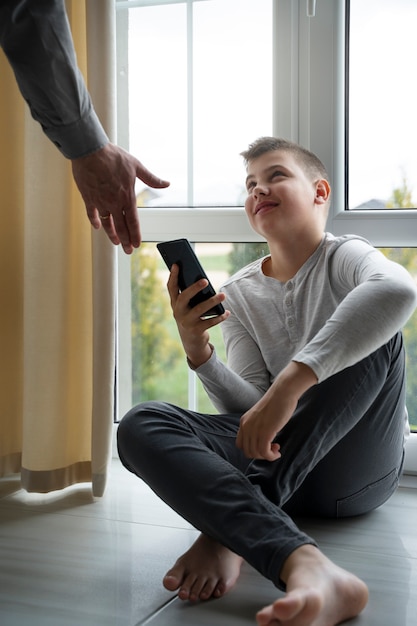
(275, 174)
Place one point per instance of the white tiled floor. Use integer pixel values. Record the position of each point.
(66, 560)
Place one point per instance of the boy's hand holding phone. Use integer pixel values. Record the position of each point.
(191, 321)
(194, 302)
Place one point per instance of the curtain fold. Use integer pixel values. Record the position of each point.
(101, 55)
(57, 285)
(11, 271)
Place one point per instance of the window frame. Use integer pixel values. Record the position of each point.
(309, 89)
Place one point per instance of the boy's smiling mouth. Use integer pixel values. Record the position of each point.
(262, 206)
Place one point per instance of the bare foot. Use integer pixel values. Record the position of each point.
(319, 593)
(206, 570)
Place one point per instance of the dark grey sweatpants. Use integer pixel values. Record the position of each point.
(342, 454)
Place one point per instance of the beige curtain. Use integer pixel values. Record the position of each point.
(57, 288)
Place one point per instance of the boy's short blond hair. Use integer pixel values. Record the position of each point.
(310, 163)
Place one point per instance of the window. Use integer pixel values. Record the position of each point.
(382, 161)
(200, 79)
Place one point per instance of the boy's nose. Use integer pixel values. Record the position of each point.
(260, 190)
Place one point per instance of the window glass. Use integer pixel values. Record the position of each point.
(382, 160)
(199, 84)
(232, 93)
(157, 95)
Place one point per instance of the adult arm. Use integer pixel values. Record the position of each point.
(37, 41)
(36, 38)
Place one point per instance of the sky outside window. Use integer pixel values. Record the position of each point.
(382, 100)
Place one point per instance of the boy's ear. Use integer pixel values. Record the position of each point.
(322, 191)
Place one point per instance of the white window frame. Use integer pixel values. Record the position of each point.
(309, 106)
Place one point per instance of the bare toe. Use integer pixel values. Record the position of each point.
(171, 581)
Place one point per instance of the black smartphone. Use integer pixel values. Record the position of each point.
(180, 252)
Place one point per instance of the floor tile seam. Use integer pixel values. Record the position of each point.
(38, 511)
(147, 524)
(156, 612)
(159, 525)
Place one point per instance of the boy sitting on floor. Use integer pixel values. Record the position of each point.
(311, 402)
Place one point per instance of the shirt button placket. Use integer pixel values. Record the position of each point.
(289, 311)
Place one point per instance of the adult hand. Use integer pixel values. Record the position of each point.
(192, 328)
(106, 180)
(260, 425)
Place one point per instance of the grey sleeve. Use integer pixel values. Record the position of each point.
(227, 390)
(237, 386)
(382, 296)
(36, 38)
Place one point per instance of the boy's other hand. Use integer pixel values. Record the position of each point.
(260, 425)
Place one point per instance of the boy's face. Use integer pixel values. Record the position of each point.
(282, 200)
